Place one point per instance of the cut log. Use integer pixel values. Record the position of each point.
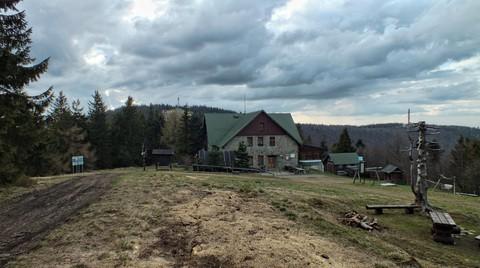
(365, 226)
(354, 219)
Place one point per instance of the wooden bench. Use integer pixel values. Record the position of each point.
(409, 209)
(443, 227)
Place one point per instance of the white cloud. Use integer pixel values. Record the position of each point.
(145, 9)
(95, 57)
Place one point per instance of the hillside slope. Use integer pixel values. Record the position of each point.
(382, 134)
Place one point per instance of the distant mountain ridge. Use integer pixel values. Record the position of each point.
(376, 135)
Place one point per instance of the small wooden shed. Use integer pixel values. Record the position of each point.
(392, 173)
(162, 157)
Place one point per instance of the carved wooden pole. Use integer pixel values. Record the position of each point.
(421, 198)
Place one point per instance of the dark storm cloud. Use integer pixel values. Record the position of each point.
(275, 51)
(216, 43)
(57, 25)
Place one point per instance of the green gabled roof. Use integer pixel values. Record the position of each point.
(285, 121)
(221, 128)
(344, 158)
(217, 125)
(242, 121)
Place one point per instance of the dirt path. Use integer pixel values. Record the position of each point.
(25, 220)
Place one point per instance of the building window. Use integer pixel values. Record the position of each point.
(262, 126)
(260, 161)
(250, 161)
(250, 141)
(260, 141)
(272, 141)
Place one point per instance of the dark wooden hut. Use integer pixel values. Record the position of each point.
(310, 152)
(162, 157)
(392, 173)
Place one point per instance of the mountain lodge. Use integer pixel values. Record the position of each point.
(272, 139)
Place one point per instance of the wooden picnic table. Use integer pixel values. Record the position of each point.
(441, 218)
(443, 227)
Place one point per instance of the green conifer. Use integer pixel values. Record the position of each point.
(344, 144)
(21, 116)
(241, 156)
(99, 132)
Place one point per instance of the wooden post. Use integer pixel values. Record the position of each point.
(144, 155)
(454, 183)
(421, 197)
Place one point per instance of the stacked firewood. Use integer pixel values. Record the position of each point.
(354, 219)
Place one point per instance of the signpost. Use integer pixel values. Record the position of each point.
(359, 169)
(77, 163)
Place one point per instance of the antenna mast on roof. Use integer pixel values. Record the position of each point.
(245, 103)
(408, 117)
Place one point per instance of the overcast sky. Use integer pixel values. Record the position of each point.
(331, 62)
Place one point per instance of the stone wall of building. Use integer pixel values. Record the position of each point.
(285, 150)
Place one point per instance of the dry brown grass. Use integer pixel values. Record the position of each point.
(159, 220)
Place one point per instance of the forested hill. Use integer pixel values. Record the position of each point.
(194, 108)
(165, 107)
(380, 135)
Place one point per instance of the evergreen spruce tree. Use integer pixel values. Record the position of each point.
(241, 156)
(196, 132)
(127, 136)
(360, 147)
(465, 164)
(458, 161)
(15, 69)
(99, 132)
(61, 115)
(60, 120)
(471, 175)
(21, 116)
(153, 128)
(171, 127)
(324, 148)
(67, 138)
(78, 116)
(184, 143)
(434, 159)
(344, 144)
